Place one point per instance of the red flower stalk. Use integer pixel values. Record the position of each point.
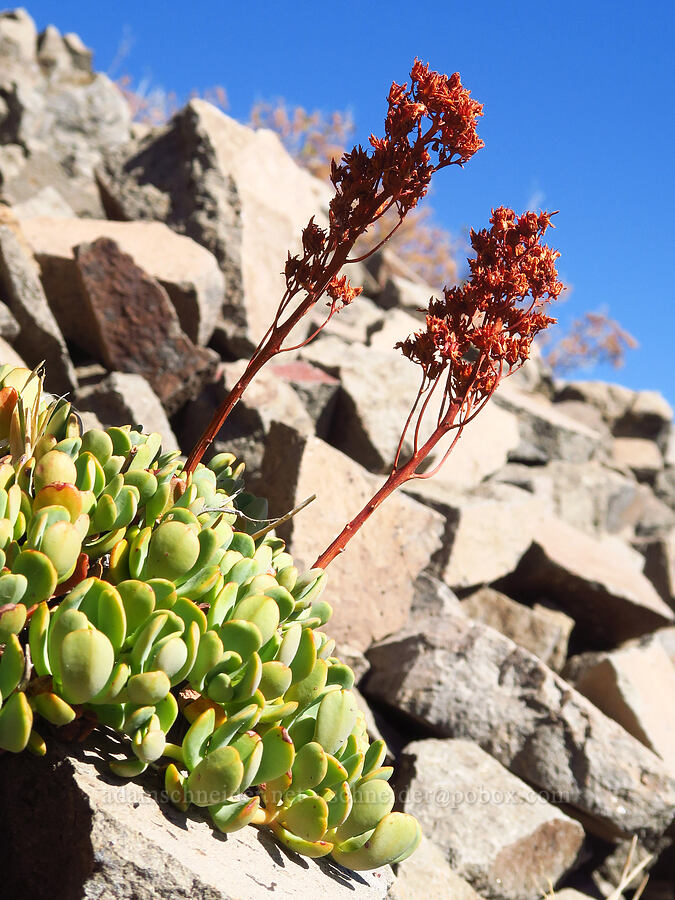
(476, 335)
(430, 125)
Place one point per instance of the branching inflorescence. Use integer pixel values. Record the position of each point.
(430, 125)
(476, 335)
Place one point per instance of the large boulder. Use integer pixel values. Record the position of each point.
(462, 679)
(370, 585)
(596, 580)
(188, 272)
(95, 836)
(234, 190)
(508, 842)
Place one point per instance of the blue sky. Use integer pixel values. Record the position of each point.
(578, 115)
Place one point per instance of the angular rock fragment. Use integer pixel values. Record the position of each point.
(546, 433)
(394, 327)
(188, 272)
(660, 565)
(234, 190)
(9, 327)
(629, 685)
(464, 680)
(317, 389)
(426, 874)
(131, 325)
(649, 416)
(39, 338)
(267, 399)
(495, 831)
(640, 455)
(596, 580)
(124, 397)
(544, 632)
(371, 585)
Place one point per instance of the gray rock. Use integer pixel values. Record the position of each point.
(40, 337)
(97, 837)
(664, 487)
(18, 36)
(399, 291)
(126, 398)
(381, 561)
(544, 632)
(649, 416)
(353, 324)
(9, 327)
(394, 327)
(596, 580)
(464, 680)
(611, 400)
(317, 389)
(433, 598)
(188, 272)
(47, 202)
(508, 842)
(546, 433)
(426, 874)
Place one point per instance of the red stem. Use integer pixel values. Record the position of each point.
(395, 480)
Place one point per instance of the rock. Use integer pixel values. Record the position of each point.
(660, 565)
(649, 416)
(18, 36)
(189, 273)
(399, 291)
(544, 632)
(596, 580)
(381, 561)
(495, 831)
(483, 448)
(98, 837)
(639, 455)
(60, 115)
(426, 874)
(432, 598)
(9, 355)
(394, 327)
(129, 323)
(488, 530)
(377, 390)
(568, 894)
(317, 389)
(266, 400)
(628, 685)
(355, 659)
(40, 337)
(666, 637)
(126, 398)
(586, 414)
(9, 327)
(611, 400)
(353, 324)
(665, 486)
(546, 433)
(234, 190)
(47, 202)
(462, 679)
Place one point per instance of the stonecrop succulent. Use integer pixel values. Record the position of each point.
(129, 600)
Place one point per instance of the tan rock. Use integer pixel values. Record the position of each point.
(660, 565)
(640, 455)
(396, 325)
(9, 355)
(544, 632)
(490, 528)
(426, 875)
(380, 563)
(629, 685)
(114, 839)
(508, 842)
(596, 580)
(188, 272)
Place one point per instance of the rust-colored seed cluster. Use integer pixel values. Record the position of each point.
(481, 331)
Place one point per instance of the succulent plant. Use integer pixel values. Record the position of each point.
(136, 597)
